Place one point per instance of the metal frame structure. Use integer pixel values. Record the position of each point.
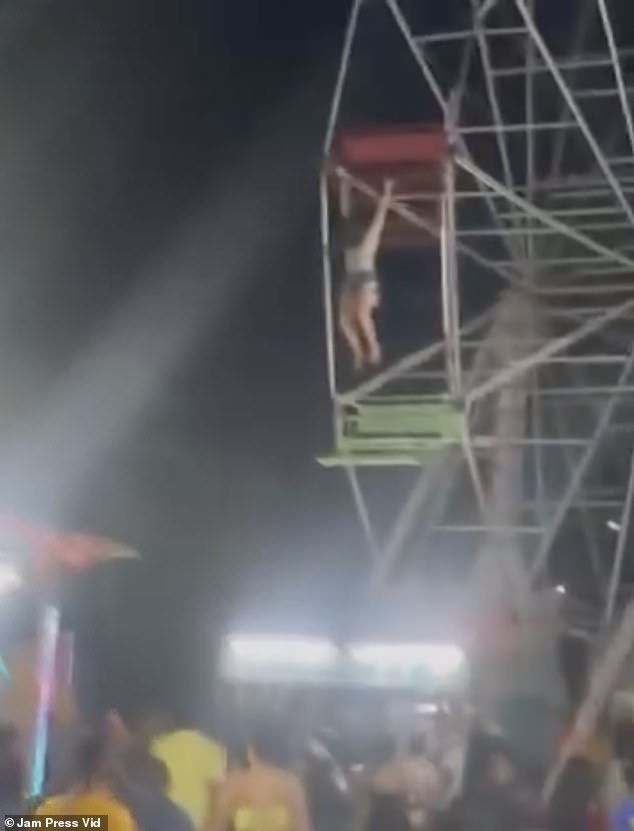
(539, 195)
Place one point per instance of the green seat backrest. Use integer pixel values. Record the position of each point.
(390, 418)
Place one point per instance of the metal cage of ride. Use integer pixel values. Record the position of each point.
(530, 402)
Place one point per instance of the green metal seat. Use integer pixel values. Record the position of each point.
(392, 431)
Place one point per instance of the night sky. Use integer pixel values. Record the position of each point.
(162, 359)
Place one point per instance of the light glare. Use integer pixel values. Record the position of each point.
(299, 651)
(9, 578)
(439, 659)
(427, 708)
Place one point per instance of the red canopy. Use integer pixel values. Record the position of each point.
(413, 157)
(51, 547)
(415, 145)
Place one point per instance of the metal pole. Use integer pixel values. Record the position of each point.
(577, 477)
(434, 231)
(409, 362)
(438, 499)
(424, 486)
(562, 291)
(538, 469)
(602, 683)
(530, 148)
(548, 350)
(444, 285)
(486, 7)
(585, 391)
(588, 532)
(483, 529)
(580, 36)
(500, 572)
(542, 216)
(619, 551)
(323, 193)
(515, 127)
(618, 72)
(472, 466)
(492, 96)
(341, 75)
(327, 288)
(563, 66)
(463, 34)
(557, 262)
(441, 475)
(362, 510)
(575, 109)
(450, 290)
(418, 55)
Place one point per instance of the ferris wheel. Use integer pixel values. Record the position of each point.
(518, 422)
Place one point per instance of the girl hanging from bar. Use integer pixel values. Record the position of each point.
(360, 296)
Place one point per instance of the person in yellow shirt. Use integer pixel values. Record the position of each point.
(196, 765)
(90, 794)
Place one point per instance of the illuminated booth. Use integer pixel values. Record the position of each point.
(355, 692)
(428, 669)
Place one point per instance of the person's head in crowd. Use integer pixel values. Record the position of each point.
(151, 722)
(382, 750)
(623, 740)
(9, 739)
(91, 761)
(418, 745)
(149, 773)
(163, 717)
(116, 731)
(576, 792)
(167, 715)
(500, 770)
(11, 767)
(266, 744)
(628, 775)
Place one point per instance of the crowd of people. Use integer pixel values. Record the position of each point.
(161, 777)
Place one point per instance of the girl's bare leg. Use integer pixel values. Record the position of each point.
(347, 320)
(368, 303)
